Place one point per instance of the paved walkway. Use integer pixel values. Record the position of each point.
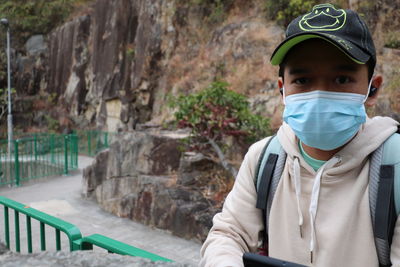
(61, 197)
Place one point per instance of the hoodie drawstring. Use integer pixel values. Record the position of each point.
(297, 187)
(314, 200)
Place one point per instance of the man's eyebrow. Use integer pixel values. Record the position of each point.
(294, 71)
(346, 67)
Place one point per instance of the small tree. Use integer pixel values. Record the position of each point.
(216, 113)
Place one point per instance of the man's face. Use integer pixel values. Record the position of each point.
(316, 64)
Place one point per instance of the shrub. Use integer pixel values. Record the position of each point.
(213, 10)
(284, 11)
(216, 113)
(29, 17)
(392, 40)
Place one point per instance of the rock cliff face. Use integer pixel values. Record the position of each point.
(105, 65)
(145, 177)
(114, 66)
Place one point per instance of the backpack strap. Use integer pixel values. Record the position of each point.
(268, 173)
(384, 195)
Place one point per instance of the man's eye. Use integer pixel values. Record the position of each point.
(301, 81)
(342, 80)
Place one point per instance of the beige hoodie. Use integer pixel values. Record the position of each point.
(343, 229)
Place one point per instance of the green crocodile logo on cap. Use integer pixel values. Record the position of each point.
(323, 17)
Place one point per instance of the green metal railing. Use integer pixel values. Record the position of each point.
(114, 246)
(71, 231)
(92, 142)
(76, 242)
(37, 156)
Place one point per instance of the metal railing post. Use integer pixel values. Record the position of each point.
(29, 233)
(35, 146)
(7, 227)
(58, 240)
(52, 156)
(16, 163)
(17, 235)
(42, 237)
(66, 154)
(72, 150)
(76, 150)
(106, 140)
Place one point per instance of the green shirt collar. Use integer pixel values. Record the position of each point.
(314, 163)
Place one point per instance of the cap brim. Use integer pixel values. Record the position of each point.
(352, 51)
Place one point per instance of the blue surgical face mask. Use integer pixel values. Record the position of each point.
(325, 120)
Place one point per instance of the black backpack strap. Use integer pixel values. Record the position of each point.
(382, 181)
(385, 214)
(262, 192)
(260, 159)
(267, 179)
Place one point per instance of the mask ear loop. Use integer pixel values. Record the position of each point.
(369, 89)
(283, 95)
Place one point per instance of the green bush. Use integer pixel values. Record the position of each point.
(216, 112)
(284, 11)
(29, 17)
(392, 40)
(213, 10)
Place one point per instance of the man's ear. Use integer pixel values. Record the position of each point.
(374, 92)
(280, 85)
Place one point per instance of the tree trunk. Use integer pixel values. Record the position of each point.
(227, 166)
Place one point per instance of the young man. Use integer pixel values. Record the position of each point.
(320, 214)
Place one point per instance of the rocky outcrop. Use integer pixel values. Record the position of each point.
(145, 177)
(105, 65)
(68, 60)
(115, 65)
(78, 259)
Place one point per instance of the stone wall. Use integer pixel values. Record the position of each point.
(146, 177)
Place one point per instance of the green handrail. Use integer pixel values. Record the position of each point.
(76, 242)
(114, 246)
(71, 231)
(37, 156)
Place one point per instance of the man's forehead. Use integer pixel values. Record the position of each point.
(318, 52)
(294, 69)
(315, 48)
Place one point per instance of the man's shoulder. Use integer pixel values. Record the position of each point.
(258, 146)
(256, 149)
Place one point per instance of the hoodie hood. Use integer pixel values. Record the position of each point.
(370, 136)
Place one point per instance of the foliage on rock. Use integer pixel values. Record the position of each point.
(27, 18)
(284, 11)
(214, 11)
(392, 40)
(36, 17)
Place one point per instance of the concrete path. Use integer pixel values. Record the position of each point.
(61, 197)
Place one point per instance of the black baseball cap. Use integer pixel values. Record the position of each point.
(343, 28)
